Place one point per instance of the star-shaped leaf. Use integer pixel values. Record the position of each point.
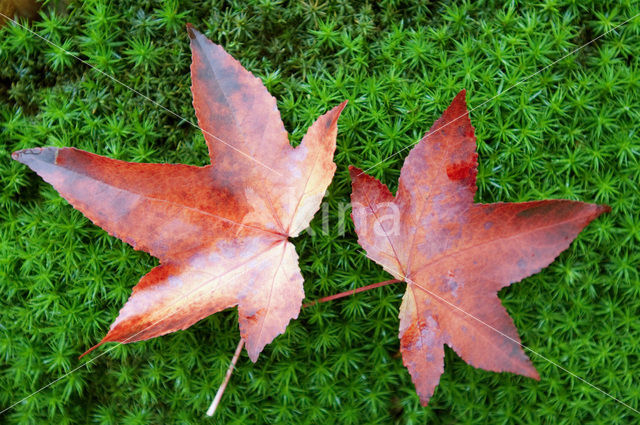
(454, 254)
(221, 231)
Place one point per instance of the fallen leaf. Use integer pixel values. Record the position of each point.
(221, 231)
(454, 254)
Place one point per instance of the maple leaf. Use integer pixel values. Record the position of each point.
(220, 231)
(454, 254)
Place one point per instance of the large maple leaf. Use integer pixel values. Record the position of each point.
(454, 254)
(219, 231)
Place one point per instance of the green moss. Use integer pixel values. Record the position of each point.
(570, 131)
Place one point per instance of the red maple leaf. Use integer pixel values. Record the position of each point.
(454, 254)
(219, 231)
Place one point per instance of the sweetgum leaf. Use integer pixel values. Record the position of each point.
(220, 231)
(454, 254)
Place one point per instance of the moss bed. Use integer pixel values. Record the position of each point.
(570, 130)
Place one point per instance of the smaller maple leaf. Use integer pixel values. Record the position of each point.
(220, 231)
(456, 255)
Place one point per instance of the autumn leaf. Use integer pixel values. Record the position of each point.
(454, 254)
(221, 231)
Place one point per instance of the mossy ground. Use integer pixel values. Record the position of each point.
(570, 131)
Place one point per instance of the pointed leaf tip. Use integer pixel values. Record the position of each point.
(27, 156)
(335, 113)
(534, 374)
(456, 110)
(354, 172)
(459, 104)
(91, 349)
(341, 106)
(191, 31)
(253, 354)
(461, 97)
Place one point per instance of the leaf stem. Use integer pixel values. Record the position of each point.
(234, 360)
(352, 292)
